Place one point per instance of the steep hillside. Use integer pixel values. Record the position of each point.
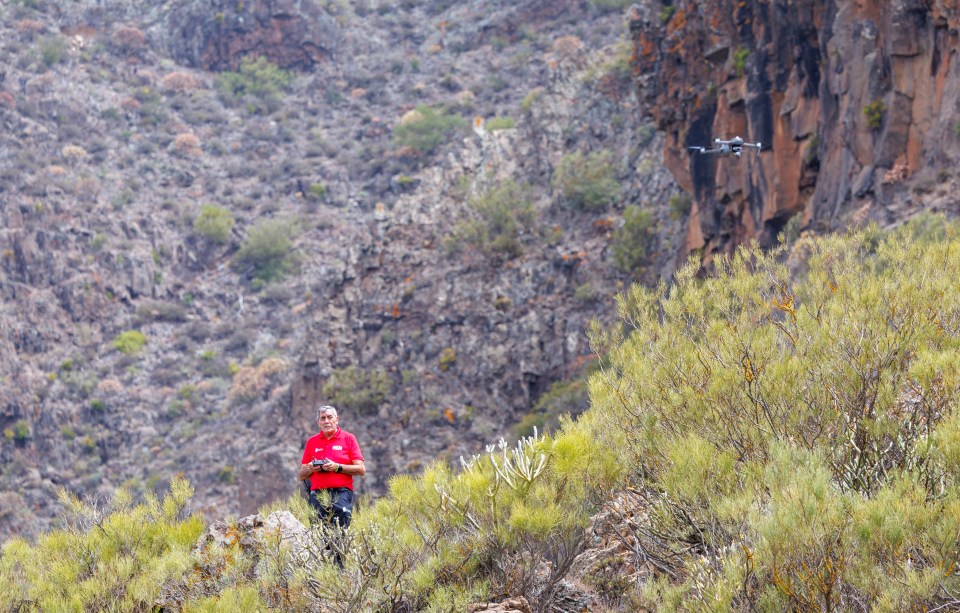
(856, 104)
(197, 250)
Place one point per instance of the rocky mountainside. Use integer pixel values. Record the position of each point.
(857, 105)
(140, 341)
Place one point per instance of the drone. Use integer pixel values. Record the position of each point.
(733, 146)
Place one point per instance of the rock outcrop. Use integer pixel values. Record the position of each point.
(218, 36)
(855, 103)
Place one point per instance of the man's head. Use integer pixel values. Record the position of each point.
(327, 419)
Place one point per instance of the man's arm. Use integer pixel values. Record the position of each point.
(357, 469)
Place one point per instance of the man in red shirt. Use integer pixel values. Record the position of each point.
(331, 459)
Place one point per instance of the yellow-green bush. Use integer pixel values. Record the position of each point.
(130, 342)
(214, 223)
(793, 439)
(105, 559)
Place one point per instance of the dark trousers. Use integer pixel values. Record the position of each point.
(340, 506)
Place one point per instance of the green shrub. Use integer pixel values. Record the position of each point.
(530, 99)
(424, 128)
(611, 5)
(52, 49)
(793, 442)
(227, 475)
(268, 253)
(585, 292)
(740, 56)
(258, 82)
(874, 113)
(586, 183)
(448, 358)
(214, 223)
(563, 398)
(632, 240)
(19, 432)
(357, 389)
(500, 216)
(130, 342)
(317, 191)
(679, 205)
(500, 123)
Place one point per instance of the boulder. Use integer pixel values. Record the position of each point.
(254, 534)
(510, 605)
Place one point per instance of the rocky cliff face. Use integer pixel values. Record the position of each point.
(855, 102)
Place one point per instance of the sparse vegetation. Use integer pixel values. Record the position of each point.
(251, 382)
(874, 113)
(214, 223)
(740, 56)
(586, 182)
(585, 292)
(268, 253)
(19, 432)
(563, 398)
(52, 49)
(632, 241)
(448, 359)
(424, 128)
(679, 205)
(501, 215)
(357, 389)
(259, 84)
(500, 123)
(611, 5)
(317, 191)
(531, 98)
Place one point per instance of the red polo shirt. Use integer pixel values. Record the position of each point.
(342, 448)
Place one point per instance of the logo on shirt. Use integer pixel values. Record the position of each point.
(318, 449)
(337, 448)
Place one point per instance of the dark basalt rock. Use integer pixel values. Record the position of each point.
(218, 35)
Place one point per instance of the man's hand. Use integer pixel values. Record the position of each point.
(306, 470)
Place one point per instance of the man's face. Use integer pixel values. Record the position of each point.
(328, 422)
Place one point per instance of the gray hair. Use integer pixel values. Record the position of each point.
(326, 409)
